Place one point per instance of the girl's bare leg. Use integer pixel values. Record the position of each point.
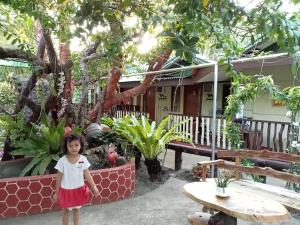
(76, 216)
(65, 215)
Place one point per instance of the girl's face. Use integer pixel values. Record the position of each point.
(73, 147)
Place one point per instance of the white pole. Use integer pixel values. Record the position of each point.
(213, 142)
(171, 70)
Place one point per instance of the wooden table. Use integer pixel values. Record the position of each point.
(240, 204)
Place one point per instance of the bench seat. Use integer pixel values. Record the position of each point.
(180, 147)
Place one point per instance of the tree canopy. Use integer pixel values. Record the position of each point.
(112, 31)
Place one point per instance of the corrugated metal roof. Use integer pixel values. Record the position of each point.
(177, 62)
(175, 75)
(13, 63)
(174, 62)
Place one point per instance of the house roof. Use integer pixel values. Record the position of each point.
(264, 46)
(174, 62)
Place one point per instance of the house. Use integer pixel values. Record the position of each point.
(188, 95)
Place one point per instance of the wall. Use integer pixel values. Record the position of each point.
(163, 102)
(262, 107)
(33, 194)
(207, 105)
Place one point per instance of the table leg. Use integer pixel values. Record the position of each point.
(221, 218)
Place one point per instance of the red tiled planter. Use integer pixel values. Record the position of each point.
(32, 195)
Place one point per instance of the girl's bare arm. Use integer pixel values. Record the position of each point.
(90, 180)
(57, 186)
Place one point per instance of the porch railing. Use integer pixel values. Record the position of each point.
(198, 128)
(256, 134)
(122, 113)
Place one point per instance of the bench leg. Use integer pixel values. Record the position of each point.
(221, 218)
(178, 160)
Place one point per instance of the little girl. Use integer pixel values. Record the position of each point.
(71, 192)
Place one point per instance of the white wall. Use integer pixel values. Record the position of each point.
(208, 104)
(262, 107)
(163, 103)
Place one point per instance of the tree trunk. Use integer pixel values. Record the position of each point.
(112, 98)
(154, 169)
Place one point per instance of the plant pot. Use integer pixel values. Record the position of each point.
(153, 168)
(92, 131)
(222, 192)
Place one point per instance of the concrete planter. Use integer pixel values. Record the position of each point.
(13, 168)
(33, 194)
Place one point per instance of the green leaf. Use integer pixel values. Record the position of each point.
(44, 164)
(33, 162)
(294, 70)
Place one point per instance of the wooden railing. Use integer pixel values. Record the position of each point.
(272, 135)
(122, 113)
(199, 129)
(256, 134)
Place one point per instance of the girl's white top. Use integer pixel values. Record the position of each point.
(72, 173)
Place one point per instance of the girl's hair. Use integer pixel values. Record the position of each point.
(73, 137)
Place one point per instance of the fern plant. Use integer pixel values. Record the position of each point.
(43, 145)
(148, 138)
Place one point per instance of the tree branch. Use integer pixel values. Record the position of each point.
(53, 60)
(40, 40)
(25, 91)
(112, 99)
(94, 56)
(36, 109)
(16, 54)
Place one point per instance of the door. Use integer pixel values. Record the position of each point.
(192, 100)
(149, 102)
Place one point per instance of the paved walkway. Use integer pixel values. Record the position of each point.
(165, 205)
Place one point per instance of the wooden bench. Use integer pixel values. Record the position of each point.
(288, 198)
(180, 147)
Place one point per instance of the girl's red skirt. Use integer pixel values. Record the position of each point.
(73, 197)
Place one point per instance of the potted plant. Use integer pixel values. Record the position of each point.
(148, 138)
(222, 180)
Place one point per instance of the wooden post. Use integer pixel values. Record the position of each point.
(178, 160)
(204, 169)
(237, 163)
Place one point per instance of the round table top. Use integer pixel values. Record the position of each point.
(239, 204)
